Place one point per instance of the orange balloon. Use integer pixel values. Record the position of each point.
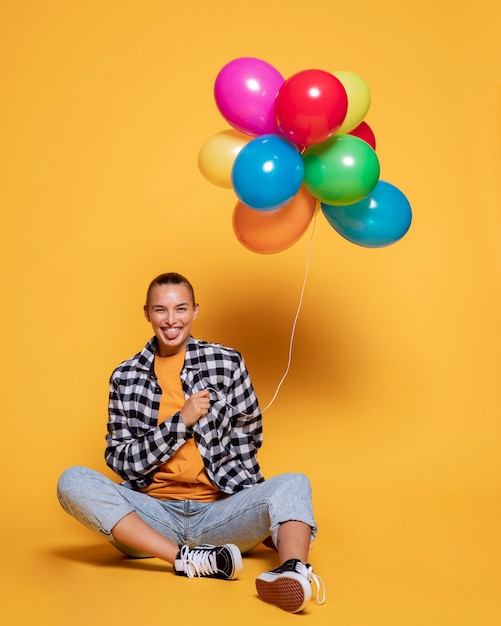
(268, 232)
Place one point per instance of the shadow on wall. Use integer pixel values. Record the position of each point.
(259, 324)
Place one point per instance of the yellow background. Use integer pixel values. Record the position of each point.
(391, 405)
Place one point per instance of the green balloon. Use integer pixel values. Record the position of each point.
(342, 170)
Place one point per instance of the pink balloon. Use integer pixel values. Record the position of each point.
(245, 90)
(364, 131)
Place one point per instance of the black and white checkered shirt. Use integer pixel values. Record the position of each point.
(228, 437)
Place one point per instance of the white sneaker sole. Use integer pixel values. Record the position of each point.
(237, 559)
(289, 591)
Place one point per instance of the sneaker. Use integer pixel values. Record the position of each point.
(289, 586)
(210, 561)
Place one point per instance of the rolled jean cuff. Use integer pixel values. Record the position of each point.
(115, 516)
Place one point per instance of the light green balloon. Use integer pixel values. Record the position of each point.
(342, 170)
(359, 100)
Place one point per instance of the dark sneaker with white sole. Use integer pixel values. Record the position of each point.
(208, 561)
(290, 586)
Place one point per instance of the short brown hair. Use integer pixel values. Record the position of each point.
(170, 278)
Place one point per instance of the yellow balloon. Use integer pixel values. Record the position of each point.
(359, 99)
(217, 155)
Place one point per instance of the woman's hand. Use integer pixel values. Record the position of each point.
(195, 407)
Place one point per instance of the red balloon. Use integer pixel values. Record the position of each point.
(310, 107)
(364, 131)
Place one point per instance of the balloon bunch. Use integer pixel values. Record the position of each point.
(295, 142)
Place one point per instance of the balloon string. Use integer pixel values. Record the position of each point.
(289, 361)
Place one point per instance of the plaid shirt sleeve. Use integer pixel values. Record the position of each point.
(230, 435)
(136, 446)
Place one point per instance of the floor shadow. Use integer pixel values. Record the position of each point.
(105, 556)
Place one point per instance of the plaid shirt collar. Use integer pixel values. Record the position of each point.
(146, 358)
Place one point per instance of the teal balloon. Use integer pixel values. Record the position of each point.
(379, 220)
(342, 170)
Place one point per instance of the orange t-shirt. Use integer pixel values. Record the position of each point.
(183, 476)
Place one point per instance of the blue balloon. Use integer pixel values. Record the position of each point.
(380, 219)
(267, 172)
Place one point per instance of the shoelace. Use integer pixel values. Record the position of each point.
(198, 562)
(307, 571)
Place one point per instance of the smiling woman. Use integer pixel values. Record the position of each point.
(171, 444)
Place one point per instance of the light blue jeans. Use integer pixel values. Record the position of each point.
(245, 518)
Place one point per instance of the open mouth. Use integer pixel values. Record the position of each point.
(171, 333)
